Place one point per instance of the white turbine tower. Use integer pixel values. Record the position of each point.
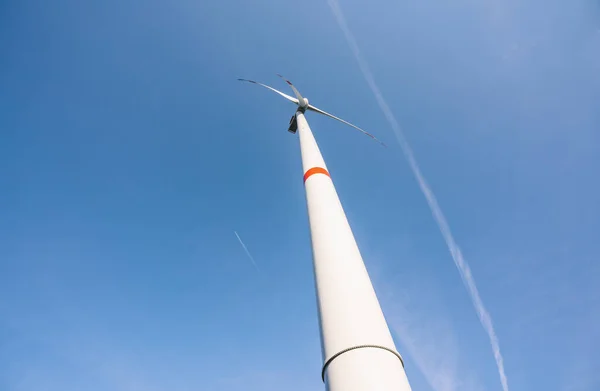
(358, 350)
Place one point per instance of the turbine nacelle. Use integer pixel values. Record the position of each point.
(303, 105)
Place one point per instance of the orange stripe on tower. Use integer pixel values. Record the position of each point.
(315, 170)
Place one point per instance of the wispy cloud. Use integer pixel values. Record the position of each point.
(246, 250)
(426, 336)
(459, 261)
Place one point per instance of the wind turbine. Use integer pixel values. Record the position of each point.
(358, 351)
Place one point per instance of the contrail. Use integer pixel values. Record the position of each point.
(246, 250)
(436, 211)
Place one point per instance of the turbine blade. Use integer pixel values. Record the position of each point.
(317, 110)
(272, 89)
(296, 92)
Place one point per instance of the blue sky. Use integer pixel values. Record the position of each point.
(129, 154)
